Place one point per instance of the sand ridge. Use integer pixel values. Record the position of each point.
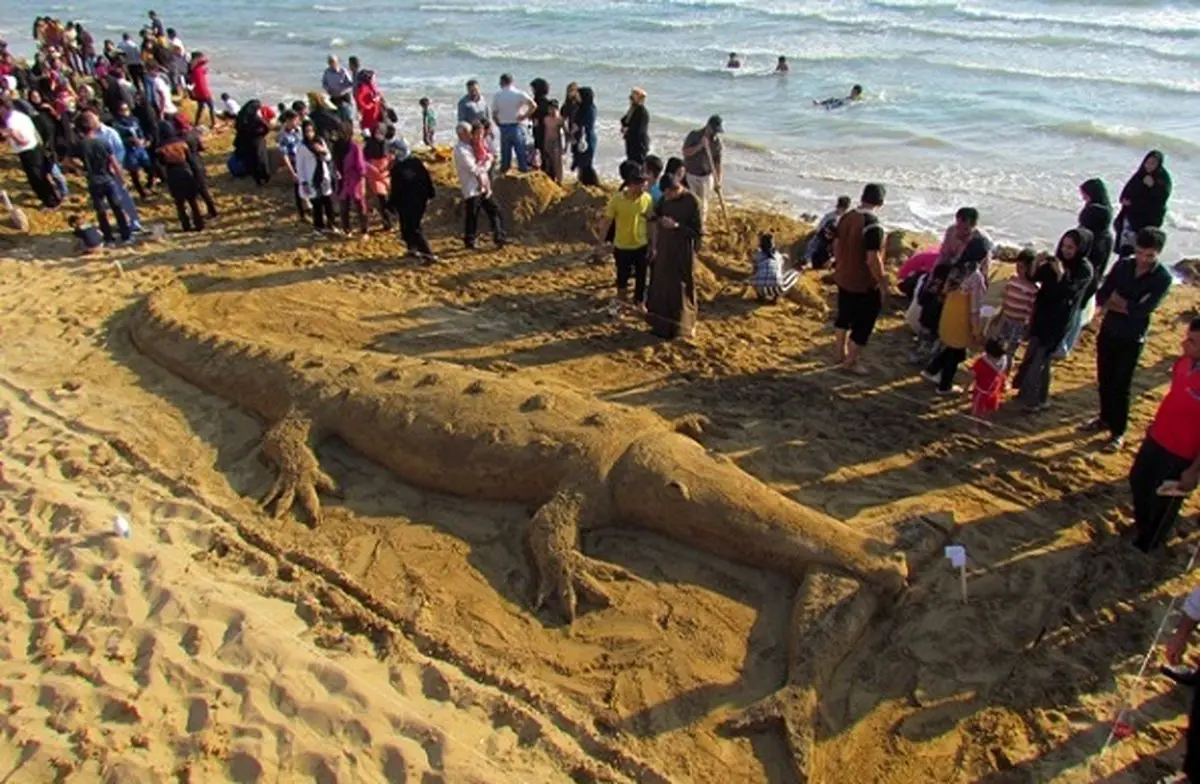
(1015, 686)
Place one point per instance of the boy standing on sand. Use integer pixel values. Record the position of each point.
(428, 122)
(860, 276)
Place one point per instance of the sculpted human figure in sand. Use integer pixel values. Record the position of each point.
(582, 462)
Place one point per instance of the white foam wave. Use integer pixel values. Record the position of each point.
(260, 23)
(1189, 86)
(1180, 23)
(1126, 136)
(328, 8)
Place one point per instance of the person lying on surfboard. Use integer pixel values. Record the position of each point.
(856, 94)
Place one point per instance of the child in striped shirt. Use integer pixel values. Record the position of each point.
(1019, 295)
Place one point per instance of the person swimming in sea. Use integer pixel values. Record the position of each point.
(856, 94)
(734, 62)
(782, 66)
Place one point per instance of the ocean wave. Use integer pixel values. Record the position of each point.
(329, 8)
(260, 23)
(1191, 87)
(1155, 23)
(1125, 136)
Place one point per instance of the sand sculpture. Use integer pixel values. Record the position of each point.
(581, 462)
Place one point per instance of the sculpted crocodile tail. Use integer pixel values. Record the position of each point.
(256, 378)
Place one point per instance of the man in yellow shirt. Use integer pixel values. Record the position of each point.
(630, 211)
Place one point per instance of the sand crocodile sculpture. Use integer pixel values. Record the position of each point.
(581, 462)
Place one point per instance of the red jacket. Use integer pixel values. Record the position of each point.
(198, 76)
(370, 105)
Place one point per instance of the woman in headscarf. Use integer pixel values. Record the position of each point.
(671, 299)
(635, 127)
(541, 103)
(412, 189)
(352, 182)
(1063, 279)
(182, 171)
(1143, 200)
(327, 123)
(314, 170)
(250, 141)
(1097, 217)
(960, 325)
(584, 147)
(570, 107)
(379, 167)
(369, 101)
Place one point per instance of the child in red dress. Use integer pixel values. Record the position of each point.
(991, 374)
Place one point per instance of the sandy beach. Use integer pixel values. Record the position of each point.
(396, 643)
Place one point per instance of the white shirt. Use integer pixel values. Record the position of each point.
(231, 106)
(177, 45)
(306, 168)
(20, 124)
(469, 170)
(133, 54)
(507, 105)
(162, 91)
(1191, 605)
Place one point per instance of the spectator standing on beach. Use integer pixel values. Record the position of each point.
(473, 107)
(250, 141)
(510, 109)
(1129, 297)
(137, 155)
(290, 138)
(635, 127)
(156, 25)
(339, 86)
(702, 156)
(103, 173)
(583, 159)
(1171, 450)
(860, 277)
(960, 324)
(1143, 200)
(552, 141)
(379, 167)
(314, 169)
(541, 102)
(428, 122)
(201, 93)
(351, 182)
(1097, 217)
(412, 190)
(23, 139)
(629, 211)
(1020, 293)
(472, 179)
(671, 299)
(1062, 279)
(570, 106)
(181, 168)
(369, 100)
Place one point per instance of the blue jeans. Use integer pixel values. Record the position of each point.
(109, 191)
(126, 202)
(512, 136)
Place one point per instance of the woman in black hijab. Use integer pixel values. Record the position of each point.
(1063, 279)
(1096, 216)
(541, 100)
(635, 126)
(1143, 200)
(250, 141)
(584, 147)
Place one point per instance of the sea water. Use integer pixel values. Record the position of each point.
(1006, 105)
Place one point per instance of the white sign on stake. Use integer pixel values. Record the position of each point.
(957, 555)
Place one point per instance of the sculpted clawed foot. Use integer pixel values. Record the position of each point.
(563, 571)
(286, 447)
(792, 708)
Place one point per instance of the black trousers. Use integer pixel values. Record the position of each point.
(300, 202)
(1116, 362)
(632, 264)
(411, 216)
(34, 164)
(945, 365)
(471, 208)
(385, 210)
(359, 209)
(1154, 514)
(182, 204)
(322, 207)
(1191, 756)
(201, 106)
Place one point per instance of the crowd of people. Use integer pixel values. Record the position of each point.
(114, 113)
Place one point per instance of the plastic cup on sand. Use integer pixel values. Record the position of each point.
(121, 527)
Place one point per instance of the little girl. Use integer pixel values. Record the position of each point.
(480, 138)
(991, 374)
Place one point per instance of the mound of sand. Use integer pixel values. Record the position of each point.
(524, 198)
(578, 216)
